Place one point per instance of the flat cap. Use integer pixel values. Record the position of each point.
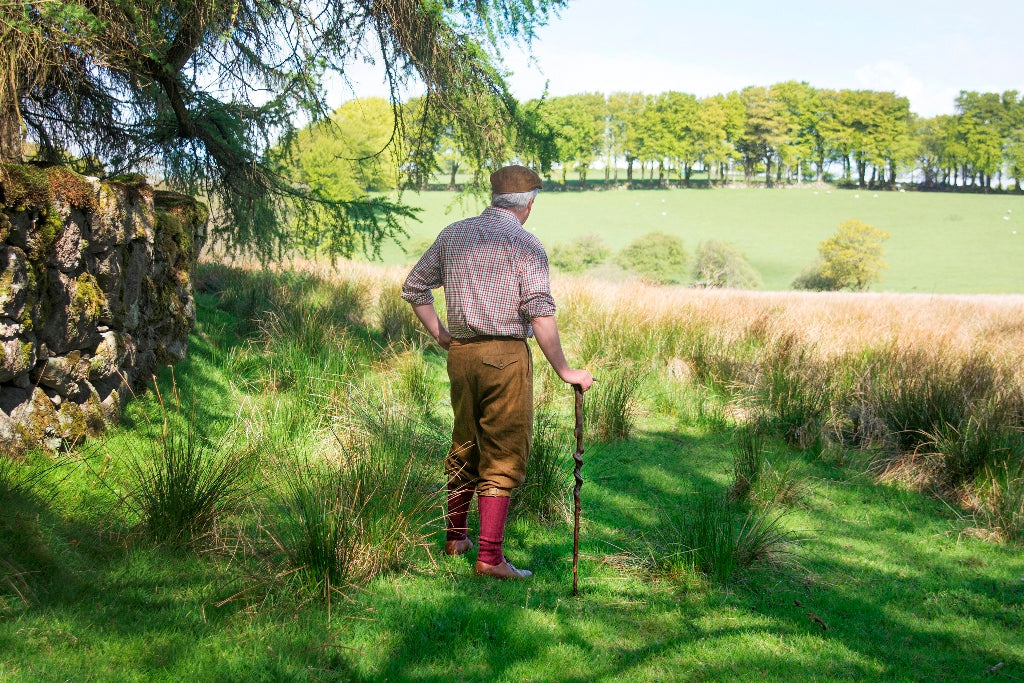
(511, 179)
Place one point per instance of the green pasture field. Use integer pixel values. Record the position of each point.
(942, 243)
(890, 585)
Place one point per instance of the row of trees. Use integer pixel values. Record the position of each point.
(788, 132)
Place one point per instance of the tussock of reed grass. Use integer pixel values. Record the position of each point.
(925, 386)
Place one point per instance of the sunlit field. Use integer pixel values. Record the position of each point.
(778, 486)
(940, 242)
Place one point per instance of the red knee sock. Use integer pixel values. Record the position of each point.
(458, 511)
(493, 513)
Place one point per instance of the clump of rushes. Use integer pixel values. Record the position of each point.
(714, 537)
(748, 459)
(795, 390)
(415, 381)
(613, 403)
(184, 485)
(395, 316)
(1002, 504)
(363, 503)
(360, 512)
(543, 495)
(917, 393)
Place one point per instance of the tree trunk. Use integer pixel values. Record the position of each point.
(10, 134)
(451, 181)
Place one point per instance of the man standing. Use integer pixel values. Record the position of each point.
(498, 294)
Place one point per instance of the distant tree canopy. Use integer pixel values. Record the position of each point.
(783, 133)
(200, 91)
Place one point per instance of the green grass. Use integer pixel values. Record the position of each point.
(941, 242)
(907, 590)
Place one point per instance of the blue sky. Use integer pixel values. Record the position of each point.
(926, 51)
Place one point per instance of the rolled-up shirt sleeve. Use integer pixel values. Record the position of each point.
(536, 300)
(426, 275)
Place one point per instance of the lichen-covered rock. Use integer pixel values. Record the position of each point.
(64, 374)
(137, 273)
(69, 243)
(17, 356)
(10, 328)
(108, 356)
(14, 282)
(95, 294)
(75, 308)
(36, 419)
(10, 436)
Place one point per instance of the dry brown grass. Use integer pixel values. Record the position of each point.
(833, 322)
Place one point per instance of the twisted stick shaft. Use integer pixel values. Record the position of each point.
(578, 457)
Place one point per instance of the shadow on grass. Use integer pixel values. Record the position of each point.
(900, 595)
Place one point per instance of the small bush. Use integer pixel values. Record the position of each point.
(722, 264)
(813, 278)
(850, 259)
(656, 257)
(586, 251)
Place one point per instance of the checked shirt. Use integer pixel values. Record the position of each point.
(494, 274)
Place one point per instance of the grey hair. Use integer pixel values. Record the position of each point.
(513, 200)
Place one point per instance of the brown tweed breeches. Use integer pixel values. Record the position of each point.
(492, 398)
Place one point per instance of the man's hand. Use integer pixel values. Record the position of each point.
(444, 338)
(580, 377)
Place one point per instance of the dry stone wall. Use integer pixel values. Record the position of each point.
(95, 295)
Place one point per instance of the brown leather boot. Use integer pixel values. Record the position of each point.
(505, 570)
(457, 547)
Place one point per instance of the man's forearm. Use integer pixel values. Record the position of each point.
(545, 331)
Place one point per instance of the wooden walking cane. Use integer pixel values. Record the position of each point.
(578, 457)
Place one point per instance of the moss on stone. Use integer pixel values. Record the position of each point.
(6, 286)
(73, 426)
(190, 212)
(135, 183)
(40, 417)
(87, 299)
(32, 291)
(45, 235)
(173, 236)
(25, 186)
(72, 188)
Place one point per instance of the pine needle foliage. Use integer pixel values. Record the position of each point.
(210, 95)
